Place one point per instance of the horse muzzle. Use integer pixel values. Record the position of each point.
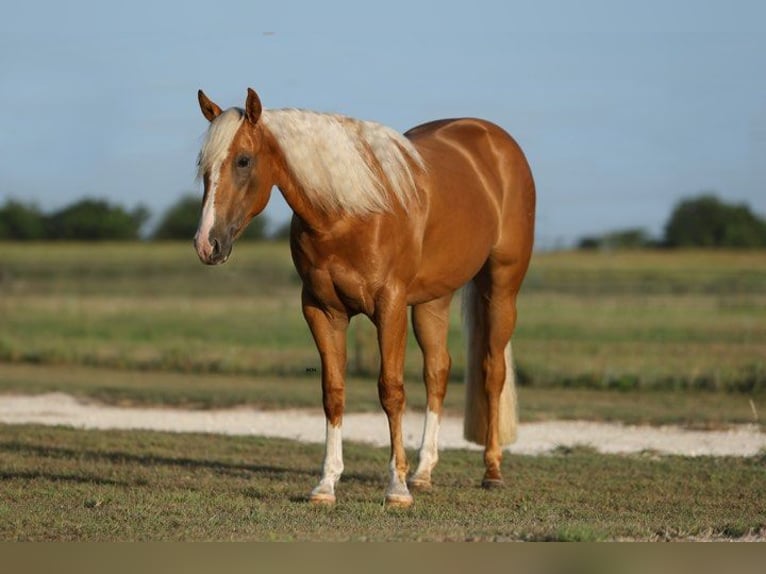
(213, 250)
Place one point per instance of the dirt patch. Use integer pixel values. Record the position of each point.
(372, 428)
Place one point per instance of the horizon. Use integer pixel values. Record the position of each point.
(272, 229)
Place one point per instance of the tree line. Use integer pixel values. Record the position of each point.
(701, 221)
(92, 219)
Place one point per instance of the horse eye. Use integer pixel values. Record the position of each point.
(243, 161)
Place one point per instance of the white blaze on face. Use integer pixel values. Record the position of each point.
(214, 151)
(207, 220)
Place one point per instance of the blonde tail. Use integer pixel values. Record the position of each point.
(475, 330)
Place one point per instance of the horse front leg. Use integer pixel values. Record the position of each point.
(391, 321)
(329, 331)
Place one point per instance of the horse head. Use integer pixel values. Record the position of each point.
(236, 173)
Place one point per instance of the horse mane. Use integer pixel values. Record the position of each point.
(219, 136)
(340, 163)
(344, 164)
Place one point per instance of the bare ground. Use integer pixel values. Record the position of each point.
(308, 425)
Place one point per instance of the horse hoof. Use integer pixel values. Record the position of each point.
(399, 500)
(492, 483)
(421, 484)
(322, 499)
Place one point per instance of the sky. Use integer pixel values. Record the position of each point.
(622, 108)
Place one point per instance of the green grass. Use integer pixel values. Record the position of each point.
(672, 320)
(70, 485)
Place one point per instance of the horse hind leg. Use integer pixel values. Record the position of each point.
(430, 322)
(491, 415)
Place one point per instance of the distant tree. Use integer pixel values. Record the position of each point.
(180, 221)
(256, 229)
(21, 222)
(283, 231)
(589, 242)
(706, 221)
(622, 239)
(95, 219)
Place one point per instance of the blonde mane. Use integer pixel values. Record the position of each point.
(218, 138)
(340, 163)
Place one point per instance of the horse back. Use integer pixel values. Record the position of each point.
(480, 197)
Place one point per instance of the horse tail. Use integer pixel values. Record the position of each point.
(476, 409)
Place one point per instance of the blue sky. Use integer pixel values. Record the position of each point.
(621, 107)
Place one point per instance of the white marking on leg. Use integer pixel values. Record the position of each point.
(397, 493)
(429, 448)
(332, 467)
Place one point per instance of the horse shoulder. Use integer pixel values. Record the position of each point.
(343, 270)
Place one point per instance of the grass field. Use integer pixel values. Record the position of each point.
(599, 320)
(61, 484)
(642, 338)
(144, 323)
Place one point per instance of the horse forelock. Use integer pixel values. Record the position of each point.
(218, 139)
(345, 164)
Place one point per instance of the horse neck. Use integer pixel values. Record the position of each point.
(300, 206)
(294, 194)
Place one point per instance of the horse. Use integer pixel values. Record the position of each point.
(383, 221)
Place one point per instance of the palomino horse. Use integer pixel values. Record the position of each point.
(381, 222)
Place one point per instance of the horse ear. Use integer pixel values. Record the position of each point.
(209, 108)
(253, 107)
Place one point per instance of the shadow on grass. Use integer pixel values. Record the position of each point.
(117, 457)
(60, 477)
(152, 460)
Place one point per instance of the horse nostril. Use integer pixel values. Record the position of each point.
(216, 248)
